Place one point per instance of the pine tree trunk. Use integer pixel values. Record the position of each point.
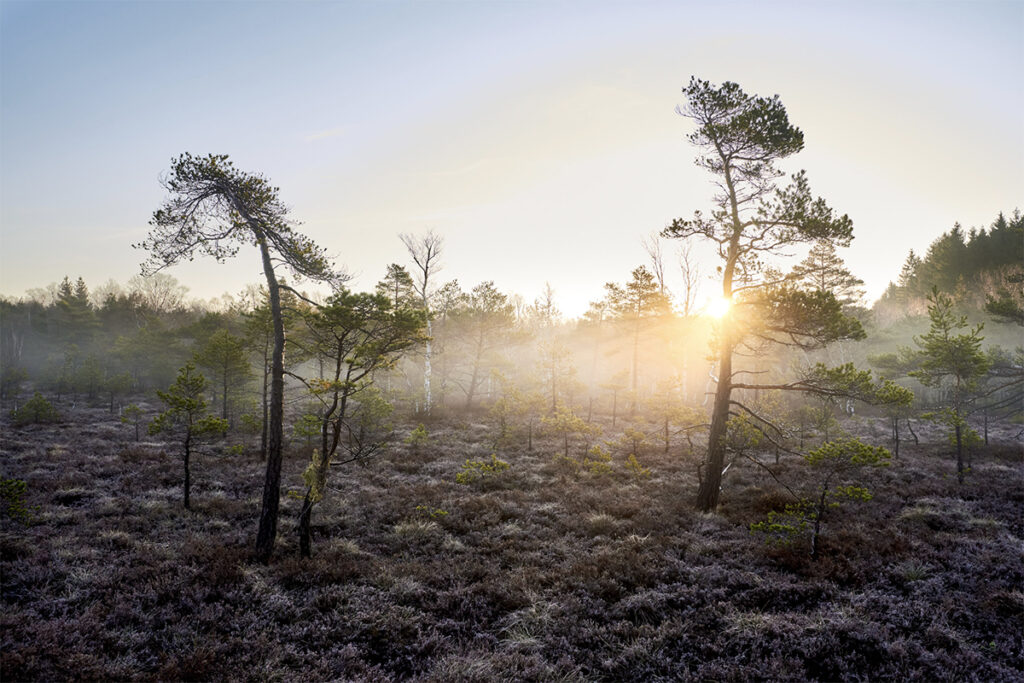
(817, 523)
(636, 365)
(711, 484)
(265, 405)
(910, 426)
(188, 472)
(267, 533)
(305, 535)
(426, 365)
(959, 455)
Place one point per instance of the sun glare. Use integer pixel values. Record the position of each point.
(718, 306)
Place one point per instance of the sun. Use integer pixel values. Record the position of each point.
(718, 306)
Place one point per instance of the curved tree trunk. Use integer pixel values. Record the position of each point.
(267, 534)
(711, 483)
(265, 403)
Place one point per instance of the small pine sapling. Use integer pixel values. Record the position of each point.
(598, 461)
(952, 361)
(897, 401)
(638, 471)
(252, 423)
(418, 438)
(12, 501)
(34, 411)
(185, 415)
(11, 379)
(564, 422)
(836, 467)
(634, 437)
(132, 415)
(667, 409)
(428, 512)
(307, 426)
(478, 470)
(118, 385)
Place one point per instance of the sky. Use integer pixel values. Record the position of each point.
(540, 139)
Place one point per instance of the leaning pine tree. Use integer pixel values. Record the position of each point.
(741, 137)
(215, 209)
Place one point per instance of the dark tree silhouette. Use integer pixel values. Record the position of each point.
(215, 209)
(741, 137)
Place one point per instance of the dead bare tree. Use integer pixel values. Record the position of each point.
(652, 245)
(425, 251)
(690, 270)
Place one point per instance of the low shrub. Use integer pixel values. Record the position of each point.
(476, 470)
(35, 410)
(637, 470)
(12, 500)
(598, 462)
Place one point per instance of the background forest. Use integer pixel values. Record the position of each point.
(638, 343)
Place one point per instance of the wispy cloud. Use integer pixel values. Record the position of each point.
(324, 134)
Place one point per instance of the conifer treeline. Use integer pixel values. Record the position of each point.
(970, 266)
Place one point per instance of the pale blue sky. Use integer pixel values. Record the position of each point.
(538, 137)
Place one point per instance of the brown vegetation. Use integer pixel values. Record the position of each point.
(537, 572)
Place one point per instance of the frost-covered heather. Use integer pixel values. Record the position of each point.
(537, 574)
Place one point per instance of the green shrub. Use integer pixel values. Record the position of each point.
(787, 527)
(418, 437)
(475, 470)
(133, 416)
(829, 466)
(634, 467)
(251, 423)
(35, 410)
(566, 466)
(12, 500)
(428, 512)
(598, 462)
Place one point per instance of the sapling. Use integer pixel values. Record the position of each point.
(186, 415)
(565, 422)
(35, 410)
(836, 467)
(598, 461)
(475, 470)
(954, 362)
(132, 415)
(307, 426)
(12, 501)
(118, 385)
(634, 467)
(418, 438)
